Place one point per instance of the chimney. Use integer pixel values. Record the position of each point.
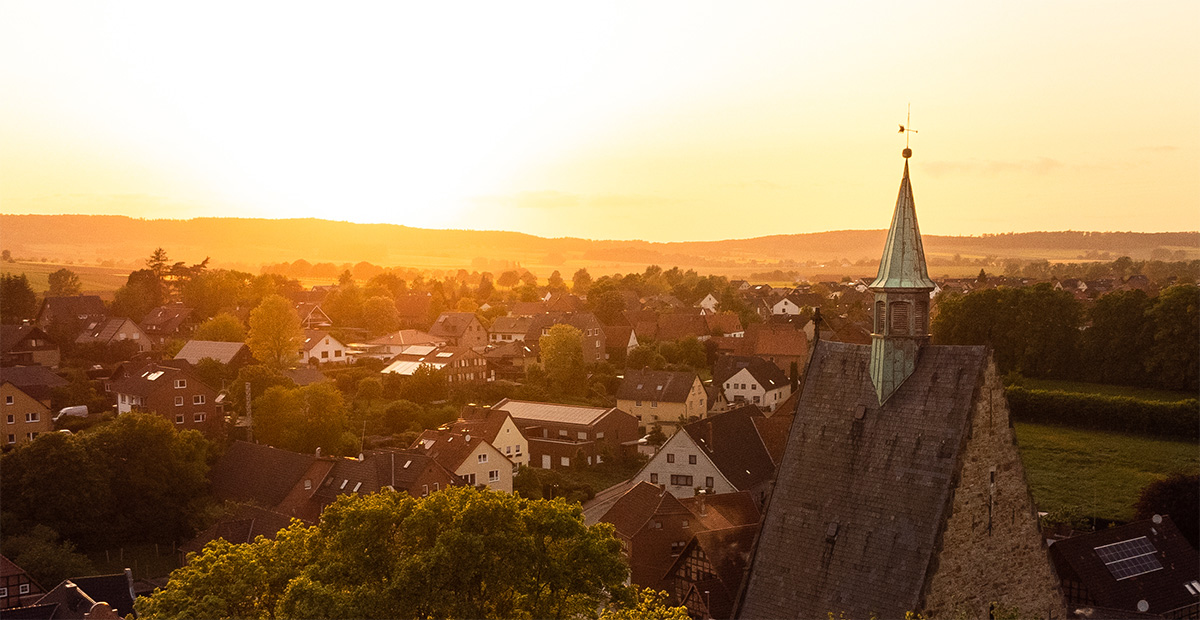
(129, 580)
(701, 504)
(318, 451)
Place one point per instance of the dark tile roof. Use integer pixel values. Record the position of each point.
(195, 350)
(676, 326)
(775, 429)
(407, 336)
(348, 476)
(243, 526)
(74, 597)
(767, 374)
(661, 385)
(166, 319)
(511, 324)
(103, 332)
(863, 490)
(723, 509)
(56, 309)
(413, 307)
(305, 375)
(257, 474)
(153, 377)
(724, 322)
(313, 337)
(582, 321)
(35, 612)
(31, 376)
(452, 324)
(482, 422)
(528, 308)
(12, 335)
(448, 449)
(631, 512)
(732, 443)
(1076, 558)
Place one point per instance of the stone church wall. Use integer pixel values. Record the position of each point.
(992, 549)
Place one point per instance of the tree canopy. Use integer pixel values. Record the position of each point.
(562, 357)
(275, 334)
(64, 283)
(459, 553)
(17, 299)
(223, 327)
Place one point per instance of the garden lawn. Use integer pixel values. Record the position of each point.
(1097, 473)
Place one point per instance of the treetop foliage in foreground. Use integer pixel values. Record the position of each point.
(459, 553)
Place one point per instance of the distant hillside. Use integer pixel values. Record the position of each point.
(250, 243)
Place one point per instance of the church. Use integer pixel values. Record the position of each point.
(901, 488)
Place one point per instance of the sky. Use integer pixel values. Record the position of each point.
(664, 121)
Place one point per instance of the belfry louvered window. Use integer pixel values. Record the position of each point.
(880, 317)
(900, 317)
(921, 319)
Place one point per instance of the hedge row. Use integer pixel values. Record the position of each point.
(1178, 420)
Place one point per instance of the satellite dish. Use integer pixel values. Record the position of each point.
(1143, 606)
(1157, 519)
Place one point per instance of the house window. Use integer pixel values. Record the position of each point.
(681, 481)
(11, 418)
(599, 434)
(180, 383)
(199, 417)
(31, 436)
(178, 401)
(685, 523)
(658, 525)
(424, 489)
(198, 399)
(638, 403)
(562, 433)
(653, 477)
(756, 398)
(23, 589)
(12, 439)
(324, 355)
(691, 459)
(8, 400)
(3, 592)
(308, 485)
(677, 547)
(494, 475)
(437, 486)
(337, 353)
(670, 458)
(653, 404)
(482, 458)
(508, 449)
(179, 418)
(470, 479)
(565, 461)
(32, 417)
(708, 481)
(581, 435)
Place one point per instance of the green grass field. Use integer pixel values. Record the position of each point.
(1097, 473)
(96, 280)
(1106, 390)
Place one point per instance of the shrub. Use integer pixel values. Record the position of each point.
(1180, 420)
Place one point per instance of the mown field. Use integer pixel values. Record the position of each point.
(1097, 473)
(96, 280)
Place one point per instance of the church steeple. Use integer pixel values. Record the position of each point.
(901, 289)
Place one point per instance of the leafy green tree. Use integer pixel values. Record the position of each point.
(158, 263)
(64, 283)
(1177, 495)
(379, 316)
(275, 333)
(1114, 346)
(459, 553)
(60, 482)
(426, 385)
(562, 357)
(509, 279)
(302, 419)
(650, 605)
(223, 327)
(486, 288)
(1174, 358)
(17, 299)
(607, 303)
(47, 559)
(581, 282)
(143, 291)
(555, 283)
(345, 305)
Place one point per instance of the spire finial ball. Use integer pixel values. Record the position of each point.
(906, 153)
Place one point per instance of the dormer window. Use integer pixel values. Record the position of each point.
(180, 383)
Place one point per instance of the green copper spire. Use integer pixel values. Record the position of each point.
(901, 289)
(903, 264)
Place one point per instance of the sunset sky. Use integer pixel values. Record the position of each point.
(653, 120)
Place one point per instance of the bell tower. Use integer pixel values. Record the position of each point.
(902, 287)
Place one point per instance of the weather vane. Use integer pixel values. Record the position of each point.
(905, 129)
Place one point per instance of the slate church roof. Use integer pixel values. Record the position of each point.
(863, 490)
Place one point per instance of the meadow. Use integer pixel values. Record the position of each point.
(1096, 473)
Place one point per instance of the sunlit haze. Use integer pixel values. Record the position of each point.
(660, 121)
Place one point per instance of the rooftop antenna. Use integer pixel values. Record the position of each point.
(906, 129)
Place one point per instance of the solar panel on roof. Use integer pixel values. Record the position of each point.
(1129, 558)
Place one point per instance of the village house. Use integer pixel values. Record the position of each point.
(709, 303)
(706, 576)
(459, 329)
(497, 428)
(232, 354)
(724, 453)
(459, 364)
(751, 380)
(654, 526)
(169, 321)
(25, 417)
(509, 361)
(509, 328)
(176, 394)
(562, 435)
(96, 597)
(17, 588)
(413, 309)
(38, 382)
(71, 313)
(475, 461)
(782, 344)
(114, 331)
(396, 342)
(589, 327)
(901, 488)
(1141, 568)
(26, 345)
(312, 316)
(619, 342)
(321, 348)
(662, 398)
